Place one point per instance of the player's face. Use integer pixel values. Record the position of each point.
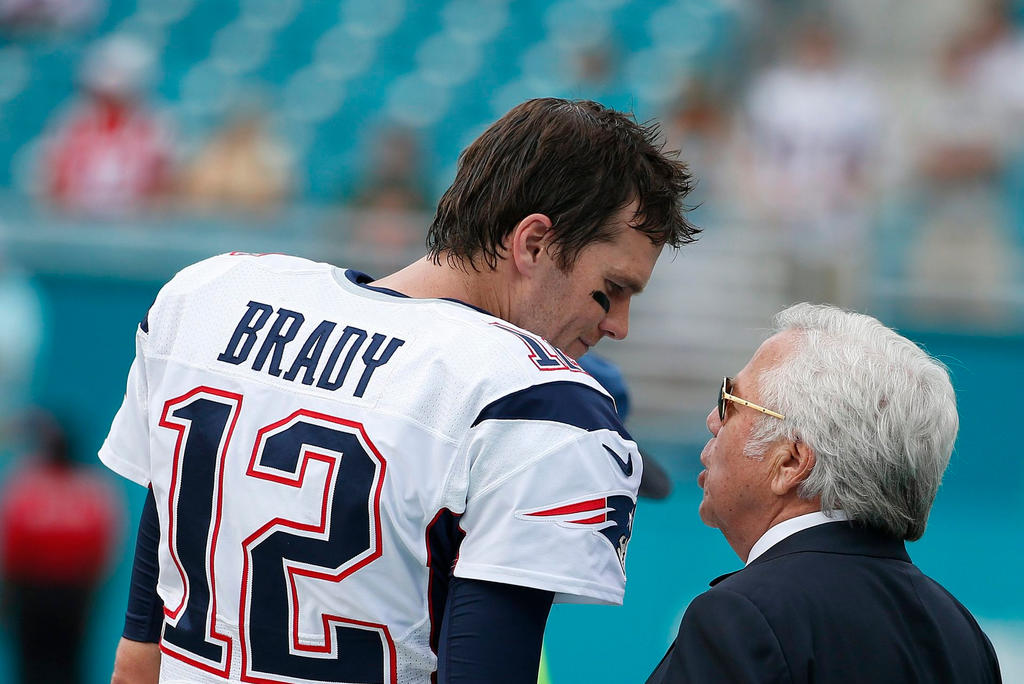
(565, 311)
(737, 496)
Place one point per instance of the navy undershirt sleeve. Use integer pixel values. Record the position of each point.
(492, 633)
(145, 614)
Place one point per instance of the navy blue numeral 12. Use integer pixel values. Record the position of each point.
(345, 537)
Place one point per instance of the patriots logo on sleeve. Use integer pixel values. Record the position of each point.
(610, 516)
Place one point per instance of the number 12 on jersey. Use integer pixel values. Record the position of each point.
(280, 554)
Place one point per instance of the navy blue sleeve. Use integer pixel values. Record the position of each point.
(145, 614)
(561, 401)
(492, 633)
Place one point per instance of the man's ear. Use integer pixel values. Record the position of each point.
(793, 462)
(529, 242)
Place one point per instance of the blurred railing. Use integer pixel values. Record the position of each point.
(155, 245)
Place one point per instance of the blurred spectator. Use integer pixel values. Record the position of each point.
(30, 16)
(813, 130)
(596, 66)
(242, 167)
(20, 335)
(58, 530)
(965, 135)
(961, 132)
(594, 71)
(699, 125)
(395, 178)
(995, 59)
(392, 197)
(111, 155)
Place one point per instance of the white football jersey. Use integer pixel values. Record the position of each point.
(325, 454)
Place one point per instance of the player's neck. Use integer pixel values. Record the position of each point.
(424, 279)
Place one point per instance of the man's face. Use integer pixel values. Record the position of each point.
(737, 497)
(562, 307)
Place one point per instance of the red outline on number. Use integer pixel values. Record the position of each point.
(173, 613)
(319, 528)
(566, 362)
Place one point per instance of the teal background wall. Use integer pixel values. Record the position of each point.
(973, 544)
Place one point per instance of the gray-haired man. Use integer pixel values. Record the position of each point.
(826, 453)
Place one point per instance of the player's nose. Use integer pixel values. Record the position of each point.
(615, 324)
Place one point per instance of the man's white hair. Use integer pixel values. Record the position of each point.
(878, 412)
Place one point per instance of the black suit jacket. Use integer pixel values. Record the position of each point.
(832, 603)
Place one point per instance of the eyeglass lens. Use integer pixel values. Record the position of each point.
(725, 389)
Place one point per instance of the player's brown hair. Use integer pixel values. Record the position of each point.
(576, 161)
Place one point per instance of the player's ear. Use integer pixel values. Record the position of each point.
(529, 241)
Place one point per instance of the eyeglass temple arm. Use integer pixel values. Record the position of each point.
(752, 405)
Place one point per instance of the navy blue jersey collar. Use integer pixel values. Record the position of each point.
(363, 280)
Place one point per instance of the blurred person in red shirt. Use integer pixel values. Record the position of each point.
(111, 155)
(59, 525)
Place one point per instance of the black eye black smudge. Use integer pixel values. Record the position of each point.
(602, 299)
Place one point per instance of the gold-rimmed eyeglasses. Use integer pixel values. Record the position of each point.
(725, 394)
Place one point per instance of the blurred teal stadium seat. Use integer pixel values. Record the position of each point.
(331, 70)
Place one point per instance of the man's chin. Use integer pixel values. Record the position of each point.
(575, 350)
(705, 514)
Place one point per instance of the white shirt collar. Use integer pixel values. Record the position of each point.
(786, 528)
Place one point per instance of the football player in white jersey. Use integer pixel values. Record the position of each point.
(391, 481)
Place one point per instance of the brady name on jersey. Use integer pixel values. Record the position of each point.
(285, 326)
